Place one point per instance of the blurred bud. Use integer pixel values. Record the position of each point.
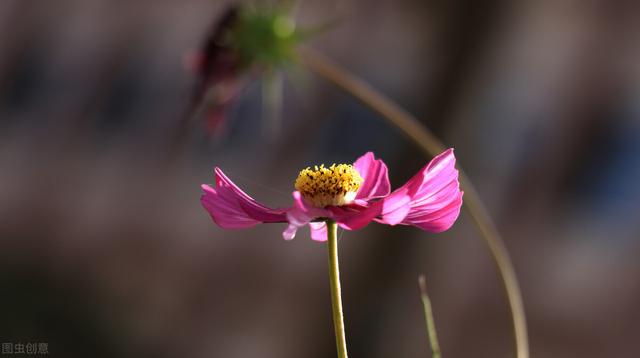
(216, 66)
(243, 43)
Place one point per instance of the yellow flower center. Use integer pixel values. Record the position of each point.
(336, 185)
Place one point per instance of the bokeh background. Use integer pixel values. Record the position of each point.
(105, 250)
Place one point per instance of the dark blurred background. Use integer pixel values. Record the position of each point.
(105, 250)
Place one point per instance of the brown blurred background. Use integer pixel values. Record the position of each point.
(105, 250)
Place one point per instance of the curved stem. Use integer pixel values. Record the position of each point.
(334, 280)
(412, 128)
(428, 315)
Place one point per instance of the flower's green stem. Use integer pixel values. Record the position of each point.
(428, 314)
(334, 279)
(412, 128)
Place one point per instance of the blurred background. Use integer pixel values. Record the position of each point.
(105, 250)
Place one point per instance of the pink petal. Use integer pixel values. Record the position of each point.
(300, 215)
(432, 177)
(395, 207)
(231, 208)
(354, 218)
(318, 231)
(254, 209)
(376, 180)
(438, 221)
(436, 200)
(290, 232)
(436, 196)
(390, 210)
(227, 214)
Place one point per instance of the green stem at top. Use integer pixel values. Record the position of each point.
(334, 280)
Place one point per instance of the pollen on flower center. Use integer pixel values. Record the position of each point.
(336, 185)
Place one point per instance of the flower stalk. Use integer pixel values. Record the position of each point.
(431, 145)
(336, 297)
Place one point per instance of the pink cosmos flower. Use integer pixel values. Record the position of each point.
(351, 195)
